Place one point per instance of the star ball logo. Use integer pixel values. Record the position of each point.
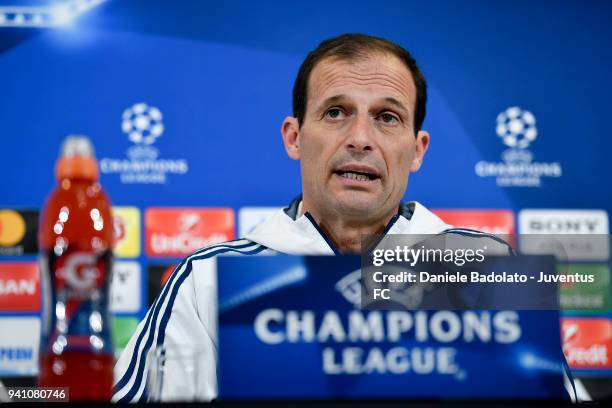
(350, 287)
(517, 130)
(143, 125)
(359, 290)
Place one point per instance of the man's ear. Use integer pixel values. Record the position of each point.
(291, 137)
(422, 143)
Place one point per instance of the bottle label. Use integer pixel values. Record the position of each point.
(76, 300)
(80, 274)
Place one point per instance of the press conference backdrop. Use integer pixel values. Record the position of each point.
(184, 100)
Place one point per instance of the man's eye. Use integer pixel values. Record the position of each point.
(334, 113)
(389, 118)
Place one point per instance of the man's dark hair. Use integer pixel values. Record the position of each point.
(349, 47)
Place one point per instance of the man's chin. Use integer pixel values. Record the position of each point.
(357, 207)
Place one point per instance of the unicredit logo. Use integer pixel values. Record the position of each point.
(178, 232)
(586, 342)
(595, 355)
(183, 243)
(498, 222)
(188, 221)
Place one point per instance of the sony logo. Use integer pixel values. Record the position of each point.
(560, 225)
(563, 222)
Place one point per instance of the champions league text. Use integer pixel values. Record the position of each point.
(357, 342)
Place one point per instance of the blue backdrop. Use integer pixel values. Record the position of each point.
(221, 74)
(218, 76)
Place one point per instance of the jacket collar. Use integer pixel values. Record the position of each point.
(289, 232)
(405, 209)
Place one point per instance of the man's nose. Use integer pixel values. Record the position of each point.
(361, 134)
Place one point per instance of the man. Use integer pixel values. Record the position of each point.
(359, 104)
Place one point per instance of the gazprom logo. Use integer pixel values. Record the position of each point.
(16, 354)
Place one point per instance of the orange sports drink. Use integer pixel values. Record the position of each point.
(75, 242)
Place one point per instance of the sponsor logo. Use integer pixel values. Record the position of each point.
(587, 342)
(158, 276)
(12, 227)
(80, 271)
(78, 275)
(123, 329)
(571, 235)
(590, 297)
(126, 225)
(125, 287)
(563, 222)
(16, 353)
(143, 125)
(251, 217)
(178, 232)
(19, 340)
(497, 222)
(19, 287)
(517, 130)
(18, 229)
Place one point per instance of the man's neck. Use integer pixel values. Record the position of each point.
(347, 234)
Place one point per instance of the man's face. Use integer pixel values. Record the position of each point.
(357, 145)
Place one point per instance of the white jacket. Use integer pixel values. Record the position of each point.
(184, 316)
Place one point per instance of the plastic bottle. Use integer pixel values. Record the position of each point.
(75, 242)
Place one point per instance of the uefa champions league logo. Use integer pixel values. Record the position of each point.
(357, 290)
(350, 287)
(516, 127)
(143, 125)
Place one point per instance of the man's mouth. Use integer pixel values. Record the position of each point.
(357, 172)
(355, 175)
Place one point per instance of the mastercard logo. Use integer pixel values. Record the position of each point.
(12, 227)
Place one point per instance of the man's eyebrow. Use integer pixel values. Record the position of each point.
(333, 99)
(397, 104)
(341, 97)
